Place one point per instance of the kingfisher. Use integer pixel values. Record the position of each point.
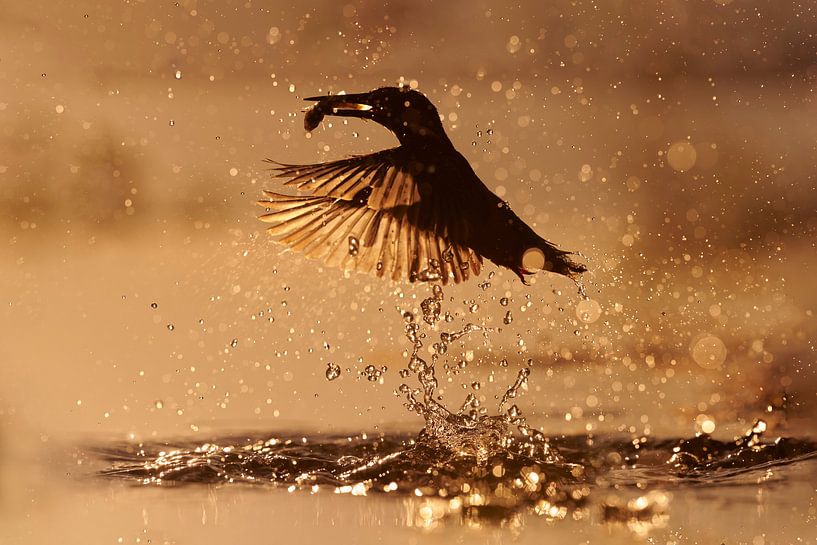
(415, 212)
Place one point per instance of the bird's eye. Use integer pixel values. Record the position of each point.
(407, 104)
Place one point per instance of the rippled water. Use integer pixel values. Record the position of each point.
(579, 473)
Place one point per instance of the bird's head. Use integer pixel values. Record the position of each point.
(405, 112)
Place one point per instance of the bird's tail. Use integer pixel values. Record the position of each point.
(561, 262)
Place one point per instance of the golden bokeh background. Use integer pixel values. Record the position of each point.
(672, 143)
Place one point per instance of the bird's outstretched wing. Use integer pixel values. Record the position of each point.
(372, 213)
(389, 175)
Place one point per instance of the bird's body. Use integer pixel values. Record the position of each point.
(417, 211)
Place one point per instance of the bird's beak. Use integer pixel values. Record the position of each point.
(344, 105)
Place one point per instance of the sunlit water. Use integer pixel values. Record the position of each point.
(579, 472)
(669, 141)
(470, 463)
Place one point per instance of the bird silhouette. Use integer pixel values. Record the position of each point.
(416, 212)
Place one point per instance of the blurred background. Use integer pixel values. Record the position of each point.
(672, 143)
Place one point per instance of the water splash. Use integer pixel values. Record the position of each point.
(607, 475)
(470, 464)
(469, 431)
(372, 373)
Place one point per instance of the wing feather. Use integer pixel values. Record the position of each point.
(366, 213)
(384, 172)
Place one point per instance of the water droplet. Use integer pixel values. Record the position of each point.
(432, 273)
(332, 371)
(354, 246)
(588, 311)
(171, 327)
(416, 364)
(372, 373)
(437, 292)
(154, 305)
(533, 259)
(708, 351)
(431, 310)
(508, 319)
(514, 412)
(682, 156)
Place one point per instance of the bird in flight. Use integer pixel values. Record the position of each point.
(417, 211)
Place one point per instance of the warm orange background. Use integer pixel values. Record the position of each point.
(672, 143)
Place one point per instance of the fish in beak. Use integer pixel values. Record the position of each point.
(342, 105)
